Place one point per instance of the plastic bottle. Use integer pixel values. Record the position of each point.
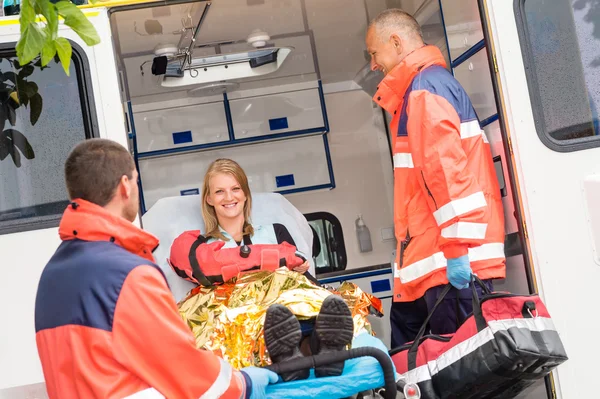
(364, 235)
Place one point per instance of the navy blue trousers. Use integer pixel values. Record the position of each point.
(406, 318)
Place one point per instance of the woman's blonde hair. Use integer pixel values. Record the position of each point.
(230, 167)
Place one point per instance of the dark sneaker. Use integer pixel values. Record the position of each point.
(282, 337)
(334, 328)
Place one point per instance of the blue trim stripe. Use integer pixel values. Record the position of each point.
(468, 54)
(350, 276)
(329, 163)
(446, 35)
(304, 189)
(323, 107)
(489, 120)
(228, 117)
(136, 156)
(225, 144)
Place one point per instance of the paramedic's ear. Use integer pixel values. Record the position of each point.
(397, 43)
(125, 187)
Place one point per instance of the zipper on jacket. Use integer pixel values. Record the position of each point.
(403, 246)
(428, 190)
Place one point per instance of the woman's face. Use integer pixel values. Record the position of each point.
(226, 196)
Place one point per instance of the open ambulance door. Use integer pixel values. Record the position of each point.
(65, 111)
(546, 72)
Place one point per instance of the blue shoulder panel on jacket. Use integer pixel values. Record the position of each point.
(438, 80)
(81, 284)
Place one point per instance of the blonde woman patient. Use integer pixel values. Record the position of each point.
(226, 208)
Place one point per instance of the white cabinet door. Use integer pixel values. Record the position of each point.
(279, 166)
(181, 127)
(277, 113)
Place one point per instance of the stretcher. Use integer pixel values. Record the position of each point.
(368, 368)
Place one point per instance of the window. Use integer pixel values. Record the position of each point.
(329, 250)
(43, 113)
(560, 41)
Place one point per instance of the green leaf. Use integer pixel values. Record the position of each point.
(11, 76)
(77, 21)
(26, 71)
(20, 142)
(64, 50)
(48, 52)
(11, 114)
(27, 89)
(2, 117)
(26, 15)
(49, 11)
(30, 44)
(35, 109)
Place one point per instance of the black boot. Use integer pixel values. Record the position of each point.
(282, 337)
(334, 329)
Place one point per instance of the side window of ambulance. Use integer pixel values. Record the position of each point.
(560, 41)
(43, 114)
(329, 250)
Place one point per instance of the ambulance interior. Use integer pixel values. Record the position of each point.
(297, 115)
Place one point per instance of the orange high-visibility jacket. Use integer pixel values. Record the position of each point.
(446, 193)
(107, 325)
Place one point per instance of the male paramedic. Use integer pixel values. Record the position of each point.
(448, 214)
(106, 323)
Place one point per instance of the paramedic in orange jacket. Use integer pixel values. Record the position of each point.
(448, 213)
(106, 323)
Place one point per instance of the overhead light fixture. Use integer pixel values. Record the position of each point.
(258, 38)
(223, 67)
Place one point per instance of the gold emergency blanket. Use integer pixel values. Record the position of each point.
(228, 319)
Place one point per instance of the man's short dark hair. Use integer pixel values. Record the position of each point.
(94, 168)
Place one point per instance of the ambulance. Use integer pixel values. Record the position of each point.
(285, 88)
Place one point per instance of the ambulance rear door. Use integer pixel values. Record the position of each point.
(59, 112)
(548, 74)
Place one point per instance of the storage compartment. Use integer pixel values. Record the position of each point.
(463, 26)
(181, 127)
(293, 164)
(297, 111)
(474, 76)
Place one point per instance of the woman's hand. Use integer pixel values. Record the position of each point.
(303, 268)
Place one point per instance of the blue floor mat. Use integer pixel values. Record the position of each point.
(359, 375)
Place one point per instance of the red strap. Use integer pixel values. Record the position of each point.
(269, 259)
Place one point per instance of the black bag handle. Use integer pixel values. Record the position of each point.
(477, 313)
(196, 270)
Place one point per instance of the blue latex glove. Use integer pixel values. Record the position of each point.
(459, 272)
(259, 378)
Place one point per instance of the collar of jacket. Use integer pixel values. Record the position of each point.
(390, 91)
(87, 221)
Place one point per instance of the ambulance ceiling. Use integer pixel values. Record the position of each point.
(338, 27)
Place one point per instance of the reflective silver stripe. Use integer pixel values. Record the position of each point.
(221, 384)
(454, 354)
(459, 207)
(149, 393)
(436, 261)
(470, 129)
(465, 230)
(403, 160)
(533, 324)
